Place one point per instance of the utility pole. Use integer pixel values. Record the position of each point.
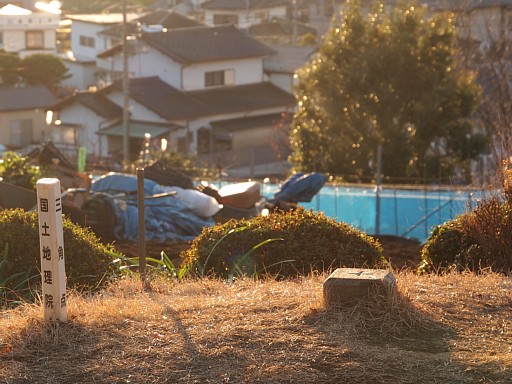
(126, 93)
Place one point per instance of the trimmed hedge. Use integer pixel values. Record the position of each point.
(88, 262)
(310, 242)
(449, 248)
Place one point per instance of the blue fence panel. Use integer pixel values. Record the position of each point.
(411, 213)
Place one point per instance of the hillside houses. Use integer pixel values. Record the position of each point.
(23, 115)
(201, 88)
(25, 32)
(243, 13)
(215, 86)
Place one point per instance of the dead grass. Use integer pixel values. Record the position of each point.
(455, 328)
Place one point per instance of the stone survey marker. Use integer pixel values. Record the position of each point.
(347, 286)
(51, 240)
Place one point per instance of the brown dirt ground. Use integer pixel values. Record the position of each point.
(400, 252)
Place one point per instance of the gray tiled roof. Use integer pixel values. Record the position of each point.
(165, 18)
(244, 98)
(289, 58)
(96, 102)
(173, 104)
(16, 99)
(280, 28)
(202, 44)
(243, 4)
(165, 100)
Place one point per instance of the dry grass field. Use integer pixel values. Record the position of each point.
(455, 328)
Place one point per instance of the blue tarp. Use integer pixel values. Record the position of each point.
(301, 187)
(167, 219)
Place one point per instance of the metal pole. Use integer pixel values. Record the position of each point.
(126, 92)
(377, 189)
(142, 228)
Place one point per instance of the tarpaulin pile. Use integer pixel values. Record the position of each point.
(172, 214)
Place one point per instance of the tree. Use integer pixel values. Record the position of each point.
(43, 69)
(9, 68)
(488, 53)
(388, 79)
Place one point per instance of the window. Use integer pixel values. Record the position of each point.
(203, 140)
(34, 39)
(87, 41)
(214, 78)
(220, 19)
(21, 132)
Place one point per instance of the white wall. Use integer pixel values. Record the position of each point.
(284, 81)
(13, 29)
(81, 28)
(89, 123)
(137, 111)
(83, 75)
(246, 71)
(146, 63)
(246, 18)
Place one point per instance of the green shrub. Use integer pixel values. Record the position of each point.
(88, 262)
(449, 247)
(310, 242)
(17, 170)
(479, 239)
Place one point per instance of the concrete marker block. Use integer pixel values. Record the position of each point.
(347, 286)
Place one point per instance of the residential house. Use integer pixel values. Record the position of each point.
(86, 42)
(26, 32)
(282, 67)
(243, 13)
(288, 32)
(23, 115)
(77, 118)
(483, 21)
(202, 88)
(93, 34)
(192, 58)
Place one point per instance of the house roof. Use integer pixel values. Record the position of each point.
(280, 28)
(466, 4)
(13, 10)
(17, 99)
(242, 123)
(203, 44)
(94, 101)
(242, 4)
(288, 58)
(102, 18)
(166, 18)
(240, 98)
(165, 100)
(173, 104)
(138, 129)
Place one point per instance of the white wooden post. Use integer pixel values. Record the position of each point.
(51, 240)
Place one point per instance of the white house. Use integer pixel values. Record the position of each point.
(27, 32)
(86, 42)
(243, 13)
(282, 67)
(93, 34)
(203, 89)
(23, 115)
(192, 58)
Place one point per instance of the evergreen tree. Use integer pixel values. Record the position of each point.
(9, 68)
(43, 69)
(388, 79)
